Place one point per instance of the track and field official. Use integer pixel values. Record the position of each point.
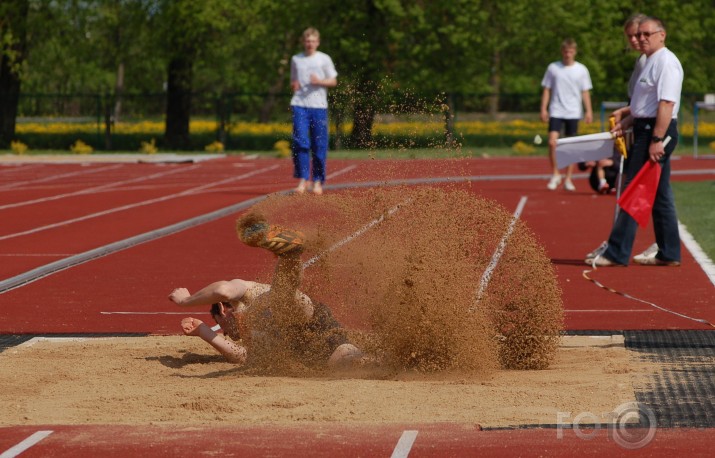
(653, 116)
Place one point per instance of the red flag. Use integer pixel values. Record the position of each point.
(637, 199)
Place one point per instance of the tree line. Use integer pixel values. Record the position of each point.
(183, 47)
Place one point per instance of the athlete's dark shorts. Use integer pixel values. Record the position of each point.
(570, 126)
(319, 338)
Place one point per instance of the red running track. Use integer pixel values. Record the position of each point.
(437, 441)
(54, 211)
(51, 212)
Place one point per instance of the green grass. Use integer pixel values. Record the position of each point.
(695, 203)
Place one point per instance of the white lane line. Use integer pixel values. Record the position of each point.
(52, 268)
(38, 255)
(404, 445)
(151, 313)
(137, 204)
(341, 171)
(700, 257)
(487, 275)
(96, 188)
(11, 168)
(354, 235)
(63, 175)
(15, 450)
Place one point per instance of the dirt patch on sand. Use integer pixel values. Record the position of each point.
(179, 380)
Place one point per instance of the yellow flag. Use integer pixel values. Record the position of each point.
(620, 142)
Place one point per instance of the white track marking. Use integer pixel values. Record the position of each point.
(404, 445)
(700, 257)
(11, 168)
(63, 175)
(354, 235)
(341, 171)
(97, 188)
(35, 340)
(486, 277)
(137, 204)
(36, 255)
(151, 313)
(15, 450)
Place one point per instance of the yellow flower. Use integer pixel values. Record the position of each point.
(149, 147)
(215, 147)
(18, 147)
(282, 147)
(523, 148)
(80, 147)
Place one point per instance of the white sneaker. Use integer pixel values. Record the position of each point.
(568, 185)
(554, 182)
(597, 252)
(647, 255)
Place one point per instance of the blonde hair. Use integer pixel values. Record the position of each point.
(311, 31)
(569, 43)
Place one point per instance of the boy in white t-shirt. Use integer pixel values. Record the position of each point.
(311, 73)
(566, 86)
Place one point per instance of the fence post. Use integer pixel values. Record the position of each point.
(107, 123)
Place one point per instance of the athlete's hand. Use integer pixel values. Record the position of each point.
(190, 326)
(179, 295)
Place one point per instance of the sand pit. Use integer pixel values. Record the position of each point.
(179, 380)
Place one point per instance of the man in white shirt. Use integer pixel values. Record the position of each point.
(653, 115)
(566, 86)
(311, 73)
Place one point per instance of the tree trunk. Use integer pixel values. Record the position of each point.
(178, 103)
(364, 115)
(15, 15)
(118, 91)
(495, 83)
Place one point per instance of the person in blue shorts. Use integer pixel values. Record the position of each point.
(311, 74)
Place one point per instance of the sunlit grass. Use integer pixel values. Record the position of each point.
(695, 204)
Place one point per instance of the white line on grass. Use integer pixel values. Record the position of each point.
(97, 188)
(484, 282)
(404, 445)
(700, 257)
(15, 450)
(137, 204)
